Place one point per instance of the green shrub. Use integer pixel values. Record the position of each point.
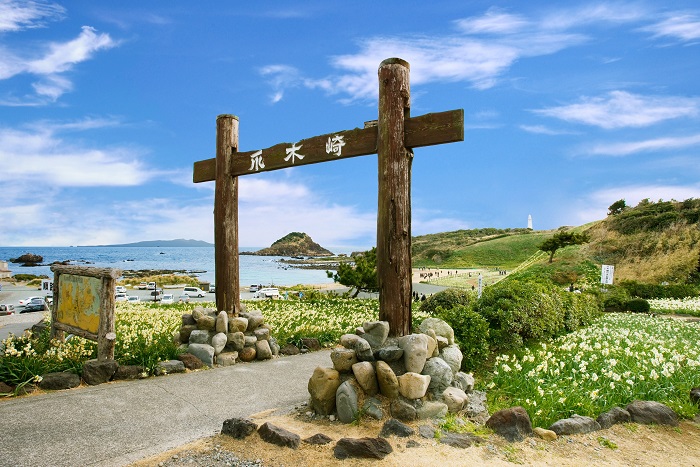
(580, 309)
(638, 305)
(615, 298)
(471, 333)
(447, 299)
(649, 291)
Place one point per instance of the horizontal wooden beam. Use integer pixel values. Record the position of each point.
(425, 130)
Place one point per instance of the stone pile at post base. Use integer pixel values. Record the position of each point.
(219, 339)
(418, 376)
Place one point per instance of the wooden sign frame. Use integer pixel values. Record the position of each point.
(83, 304)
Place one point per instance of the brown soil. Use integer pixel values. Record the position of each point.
(621, 445)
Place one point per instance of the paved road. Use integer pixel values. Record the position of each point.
(118, 423)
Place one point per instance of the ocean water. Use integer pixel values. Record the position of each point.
(253, 269)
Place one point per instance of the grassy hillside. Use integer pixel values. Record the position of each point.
(653, 242)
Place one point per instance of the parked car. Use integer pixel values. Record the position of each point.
(121, 297)
(151, 286)
(142, 286)
(120, 289)
(133, 299)
(184, 298)
(7, 309)
(34, 306)
(194, 292)
(253, 288)
(212, 288)
(167, 299)
(28, 300)
(268, 292)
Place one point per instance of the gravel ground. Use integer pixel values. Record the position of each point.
(214, 456)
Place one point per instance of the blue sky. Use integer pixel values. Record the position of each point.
(569, 106)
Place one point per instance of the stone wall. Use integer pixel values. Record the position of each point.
(413, 377)
(218, 339)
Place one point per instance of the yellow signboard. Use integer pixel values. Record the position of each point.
(79, 302)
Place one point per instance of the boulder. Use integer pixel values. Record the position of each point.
(343, 359)
(475, 407)
(387, 380)
(255, 320)
(219, 341)
(263, 350)
(204, 352)
(206, 323)
(365, 448)
(459, 440)
(247, 354)
(415, 351)
(278, 436)
(249, 341)
(547, 435)
(238, 428)
(188, 320)
(221, 324)
(318, 439)
(58, 380)
(373, 408)
(346, 402)
(512, 423)
(237, 324)
(200, 336)
(227, 358)
(289, 349)
(431, 409)
(375, 332)
(440, 375)
(413, 385)
(366, 377)
(126, 372)
(186, 331)
(98, 372)
(389, 354)
(235, 340)
(262, 334)
(402, 410)
(574, 425)
(168, 367)
(453, 357)
(440, 327)
(648, 412)
(454, 398)
(463, 381)
(323, 384)
(396, 428)
(612, 417)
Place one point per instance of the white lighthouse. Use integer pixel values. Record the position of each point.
(529, 221)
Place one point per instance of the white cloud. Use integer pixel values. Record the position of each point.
(543, 130)
(18, 15)
(656, 144)
(494, 21)
(682, 26)
(620, 109)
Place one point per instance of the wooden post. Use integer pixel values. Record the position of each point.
(226, 217)
(394, 209)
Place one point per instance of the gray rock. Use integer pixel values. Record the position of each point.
(387, 380)
(127, 372)
(221, 322)
(219, 341)
(402, 410)
(349, 340)
(278, 436)
(323, 384)
(238, 428)
(415, 351)
(440, 327)
(413, 385)
(186, 331)
(365, 448)
(98, 372)
(237, 324)
(204, 352)
(397, 366)
(188, 320)
(454, 398)
(346, 402)
(431, 409)
(59, 380)
(235, 340)
(574, 425)
(695, 396)
(475, 407)
(373, 408)
(376, 332)
(249, 341)
(459, 440)
(169, 367)
(366, 377)
(255, 319)
(463, 381)
(262, 334)
(513, 423)
(274, 346)
(318, 439)
(389, 354)
(263, 351)
(440, 375)
(206, 323)
(363, 350)
(427, 431)
(200, 336)
(343, 359)
(289, 349)
(396, 428)
(412, 443)
(612, 417)
(227, 358)
(648, 412)
(453, 357)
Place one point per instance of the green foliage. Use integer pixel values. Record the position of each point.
(648, 291)
(29, 277)
(447, 299)
(163, 280)
(471, 333)
(614, 298)
(362, 276)
(562, 239)
(650, 216)
(638, 305)
(580, 309)
(617, 207)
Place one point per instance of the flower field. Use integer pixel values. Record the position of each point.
(620, 358)
(688, 305)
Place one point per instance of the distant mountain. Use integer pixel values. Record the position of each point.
(294, 244)
(178, 243)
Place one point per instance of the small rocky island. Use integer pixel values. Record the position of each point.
(295, 244)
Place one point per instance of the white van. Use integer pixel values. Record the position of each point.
(194, 292)
(271, 293)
